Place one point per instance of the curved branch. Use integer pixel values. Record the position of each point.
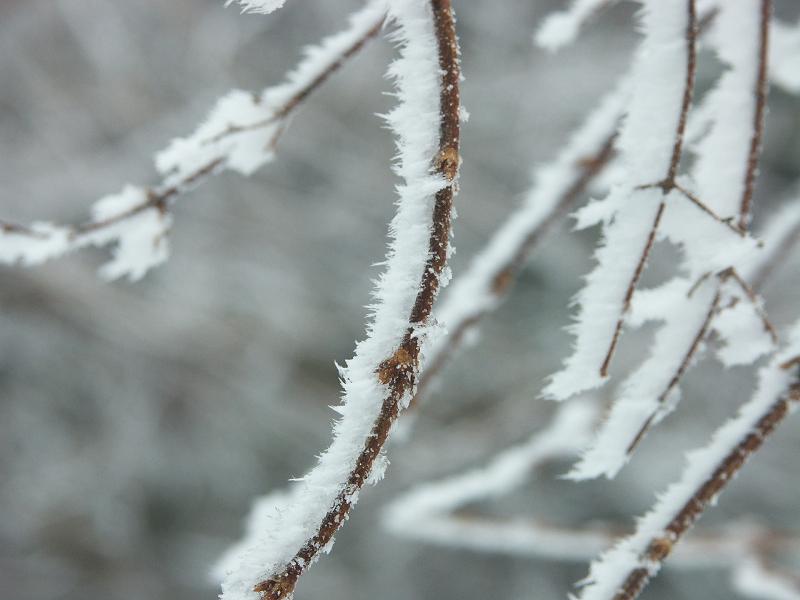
(327, 495)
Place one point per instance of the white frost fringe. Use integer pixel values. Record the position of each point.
(424, 512)
(609, 571)
(416, 123)
(707, 246)
(472, 293)
(645, 145)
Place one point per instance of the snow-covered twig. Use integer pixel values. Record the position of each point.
(651, 147)
(240, 134)
(625, 570)
(380, 379)
(694, 310)
(433, 512)
(557, 186)
(689, 305)
(759, 114)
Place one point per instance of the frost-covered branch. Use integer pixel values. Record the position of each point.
(688, 307)
(557, 186)
(692, 310)
(240, 134)
(651, 147)
(760, 93)
(625, 570)
(434, 513)
(380, 379)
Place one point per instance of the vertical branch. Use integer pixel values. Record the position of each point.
(666, 185)
(398, 373)
(756, 141)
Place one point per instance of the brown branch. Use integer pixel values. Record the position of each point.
(161, 196)
(666, 185)
(400, 371)
(752, 296)
(631, 289)
(706, 209)
(659, 548)
(713, 309)
(694, 346)
(506, 274)
(752, 168)
(756, 141)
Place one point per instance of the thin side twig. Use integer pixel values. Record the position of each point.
(659, 548)
(666, 185)
(752, 168)
(309, 76)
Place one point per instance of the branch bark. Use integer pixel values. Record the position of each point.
(400, 371)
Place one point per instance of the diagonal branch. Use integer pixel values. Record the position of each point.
(756, 140)
(625, 570)
(647, 395)
(216, 146)
(437, 513)
(668, 183)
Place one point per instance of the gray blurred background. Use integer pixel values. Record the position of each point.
(138, 421)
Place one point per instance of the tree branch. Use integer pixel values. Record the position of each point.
(213, 148)
(398, 373)
(624, 571)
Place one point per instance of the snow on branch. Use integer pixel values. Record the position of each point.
(650, 145)
(624, 571)
(416, 513)
(240, 134)
(258, 6)
(687, 313)
(717, 264)
(556, 187)
(756, 579)
(435, 513)
(380, 379)
(561, 28)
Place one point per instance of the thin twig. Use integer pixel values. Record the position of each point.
(756, 141)
(400, 371)
(659, 548)
(666, 185)
(504, 276)
(752, 167)
(631, 289)
(162, 195)
(752, 296)
(706, 209)
(694, 346)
